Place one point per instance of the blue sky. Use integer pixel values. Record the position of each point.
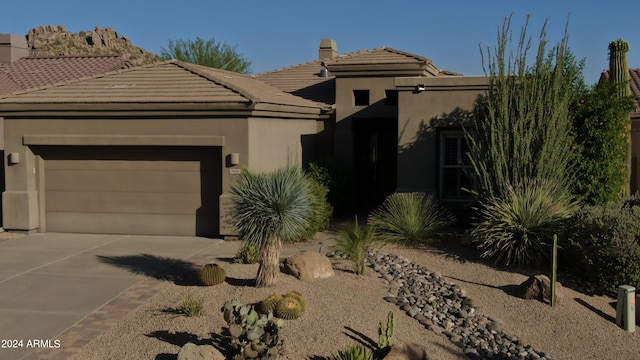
(279, 33)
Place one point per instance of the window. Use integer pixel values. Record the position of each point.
(453, 162)
(391, 97)
(361, 97)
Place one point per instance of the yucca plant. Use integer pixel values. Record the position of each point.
(355, 241)
(517, 228)
(269, 208)
(409, 218)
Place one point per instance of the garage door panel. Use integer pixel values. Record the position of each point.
(125, 181)
(147, 224)
(127, 203)
(132, 190)
(102, 165)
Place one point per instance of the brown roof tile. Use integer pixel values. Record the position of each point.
(304, 80)
(36, 71)
(171, 81)
(635, 85)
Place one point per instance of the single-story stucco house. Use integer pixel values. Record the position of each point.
(153, 149)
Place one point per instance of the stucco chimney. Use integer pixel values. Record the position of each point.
(12, 48)
(328, 49)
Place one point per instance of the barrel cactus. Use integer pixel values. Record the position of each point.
(269, 304)
(212, 274)
(301, 300)
(288, 308)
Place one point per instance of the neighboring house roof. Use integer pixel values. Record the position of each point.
(170, 81)
(304, 80)
(35, 71)
(635, 89)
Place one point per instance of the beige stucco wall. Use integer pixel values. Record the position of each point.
(420, 113)
(274, 143)
(346, 110)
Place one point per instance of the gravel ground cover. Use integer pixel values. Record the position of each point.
(346, 309)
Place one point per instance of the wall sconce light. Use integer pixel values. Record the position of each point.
(233, 159)
(420, 87)
(14, 158)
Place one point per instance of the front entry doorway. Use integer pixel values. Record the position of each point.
(375, 159)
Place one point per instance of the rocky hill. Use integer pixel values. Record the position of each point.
(56, 40)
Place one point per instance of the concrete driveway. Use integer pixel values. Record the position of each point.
(51, 283)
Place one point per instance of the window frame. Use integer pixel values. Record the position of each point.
(460, 166)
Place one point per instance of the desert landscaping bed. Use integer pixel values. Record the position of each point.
(346, 309)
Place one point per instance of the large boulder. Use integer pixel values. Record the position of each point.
(191, 351)
(407, 351)
(308, 265)
(538, 287)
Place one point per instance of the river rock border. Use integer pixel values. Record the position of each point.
(444, 308)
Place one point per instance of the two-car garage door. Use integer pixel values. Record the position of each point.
(150, 190)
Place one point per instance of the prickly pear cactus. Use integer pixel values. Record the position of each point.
(212, 274)
(253, 335)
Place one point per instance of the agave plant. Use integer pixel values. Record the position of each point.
(269, 208)
(409, 218)
(518, 227)
(355, 241)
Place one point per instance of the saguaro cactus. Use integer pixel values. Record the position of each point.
(619, 74)
(618, 64)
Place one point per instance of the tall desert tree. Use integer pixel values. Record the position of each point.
(523, 129)
(219, 55)
(269, 209)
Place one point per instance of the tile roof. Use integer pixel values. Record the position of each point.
(170, 81)
(36, 71)
(304, 80)
(635, 86)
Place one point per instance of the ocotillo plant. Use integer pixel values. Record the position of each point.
(554, 267)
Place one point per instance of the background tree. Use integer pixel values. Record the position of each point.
(268, 209)
(208, 53)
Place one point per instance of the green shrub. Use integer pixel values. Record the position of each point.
(334, 175)
(355, 241)
(603, 245)
(409, 218)
(247, 254)
(321, 210)
(517, 228)
(191, 306)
